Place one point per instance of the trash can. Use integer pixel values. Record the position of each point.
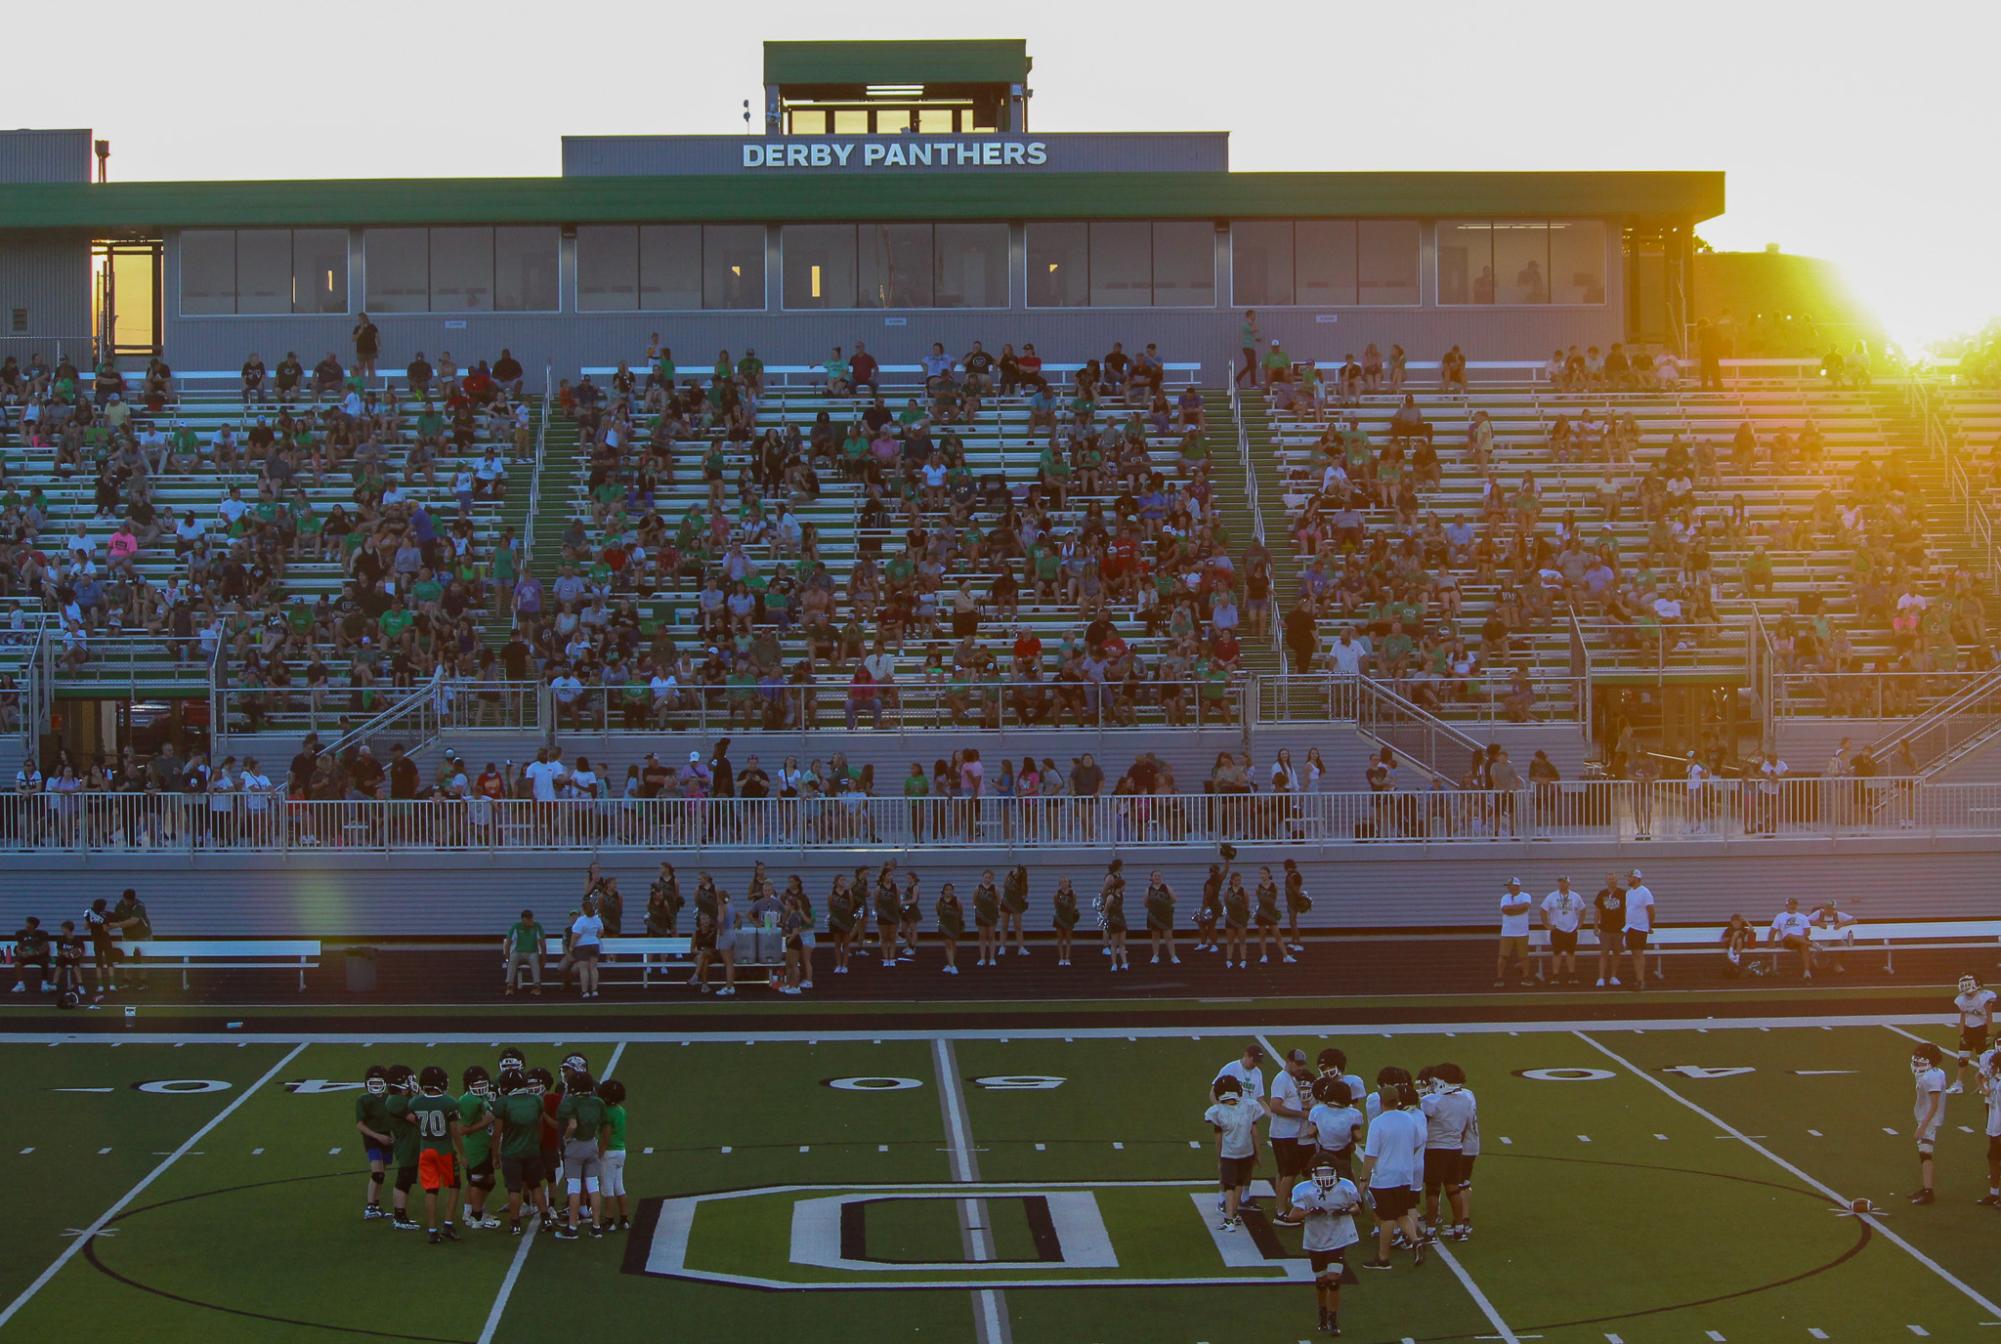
(360, 970)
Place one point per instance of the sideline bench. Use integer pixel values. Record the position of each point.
(232, 954)
(1890, 935)
(654, 954)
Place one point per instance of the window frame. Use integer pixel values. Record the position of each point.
(1355, 263)
(236, 271)
(934, 306)
(1549, 226)
(493, 258)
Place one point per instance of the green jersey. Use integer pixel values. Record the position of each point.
(525, 937)
(586, 1110)
(372, 1111)
(614, 1129)
(404, 1130)
(521, 1124)
(477, 1141)
(433, 1116)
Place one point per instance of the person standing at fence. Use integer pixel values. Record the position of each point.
(586, 942)
(1610, 907)
(1639, 927)
(1512, 955)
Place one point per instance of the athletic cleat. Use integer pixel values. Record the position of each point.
(514, 1229)
(1417, 1254)
(403, 1224)
(369, 1211)
(1989, 1201)
(565, 1234)
(1375, 1264)
(449, 1234)
(435, 1239)
(625, 1225)
(597, 1231)
(489, 1222)
(1923, 1197)
(1956, 1090)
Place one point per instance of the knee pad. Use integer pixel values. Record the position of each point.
(405, 1178)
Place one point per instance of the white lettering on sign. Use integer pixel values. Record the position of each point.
(904, 153)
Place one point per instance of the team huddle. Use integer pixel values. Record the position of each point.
(1339, 1148)
(549, 1139)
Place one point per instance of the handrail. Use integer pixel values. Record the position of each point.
(1252, 497)
(420, 698)
(1416, 735)
(1580, 669)
(1945, 729)
(535, 470)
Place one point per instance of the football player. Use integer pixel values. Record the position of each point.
(434, 1114)
(1250, 1080)
(1449, 1123)
(518, 1116)
(549, 1097)
(1976, 1018)
(1334, 1060)
(371, 1121)
(1326, 1201)
(403, 1129)
(476, 1124)
(1928, 1069)
(1334, 1122)
(1393, 1162)
(581, 1118)
(1234, 1115)
(1990, 1087)
(612, 1180)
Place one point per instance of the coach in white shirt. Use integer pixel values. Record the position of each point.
(1562, 915)
(1514, 945)
(1393, 1163)
(1792, 930)
(1639, 925)
(1291, 1140)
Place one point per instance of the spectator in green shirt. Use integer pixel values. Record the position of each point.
(522, 946)
(1277, 365)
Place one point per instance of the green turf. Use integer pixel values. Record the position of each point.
(1602, 1205)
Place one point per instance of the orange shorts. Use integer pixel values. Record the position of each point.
(436, 1170)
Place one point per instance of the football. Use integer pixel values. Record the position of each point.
(1861, 1206)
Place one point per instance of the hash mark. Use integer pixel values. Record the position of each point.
(649, 1152)
(1041, 1147)
(726, 1150)
(1816, 1133)
(1120, 1146)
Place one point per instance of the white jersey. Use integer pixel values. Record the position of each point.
(1992, 1084)
(1285, 1088)
(1976, 1010)
(1396, 1143)
(1930, 1083)
(1327, 1218)
(1252, 1080)
(1447, 1118)
(1334, 1127)
(1237, 1122)
(1471, 1148)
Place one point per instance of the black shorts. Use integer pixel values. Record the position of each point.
(585, 952)
(522, 1173)
(1322, 1261)
(1293, 1159)
(480, 1177)
(406, 1177)
(1441, 1169)
(1232, 1172)
(1973, 1041)
(1393, 1202)
(1341, 1159)
(1562, 942)
(1636, 940)
(1466, 1168)
(552, 1162)
(1994, 1147)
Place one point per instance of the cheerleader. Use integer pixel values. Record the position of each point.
(1114, 876)
(1267, 919)
(1236, 924)
(1297, 903)
(1014, 905)
(1064, 919)
(1160, 918)
(1210, 912)
(986, 918)
(909, 914)
(951, 924)
(886, 915)
(841, 921)
(795, 890)
(663, 904)
(1115, 923)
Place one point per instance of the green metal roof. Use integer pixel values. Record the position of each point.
(989, 61)
(779, 197)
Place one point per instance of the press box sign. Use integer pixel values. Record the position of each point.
(883, 155)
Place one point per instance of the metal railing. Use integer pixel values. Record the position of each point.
(1415, 735)
(131, 664)
(1485, 698)
(535, 471)
(1720, 812)
(1962, 720)
(420, 709)
(1869, 695)
(344, 710)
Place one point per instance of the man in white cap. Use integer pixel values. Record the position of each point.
(1639, 926)
(1562, 916)
(1514, 946)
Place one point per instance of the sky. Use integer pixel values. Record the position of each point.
(1864, 134)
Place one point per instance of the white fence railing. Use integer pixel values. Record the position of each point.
(1666, 812)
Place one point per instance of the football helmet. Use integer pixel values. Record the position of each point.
(1968, 983)
(575, 1063)
(1331, 1060)
(539, 1080)
(476, 1080)
(512, 1058)
(433, 1079)
(1325, 1178)
(511, 1081)
(376, 1080)
(612, 1092)
(401, 1078)
(1925, 1057)
(1332, 1089)
(579, 1082)
(1448, 1077)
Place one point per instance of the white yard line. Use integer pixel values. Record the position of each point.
(1236, 1031)
(513, 1277)
(103, 1218)
(1480, 1300)
(1934, 1266)
(990, 1321)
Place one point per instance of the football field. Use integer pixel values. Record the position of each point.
(1639, 1182)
